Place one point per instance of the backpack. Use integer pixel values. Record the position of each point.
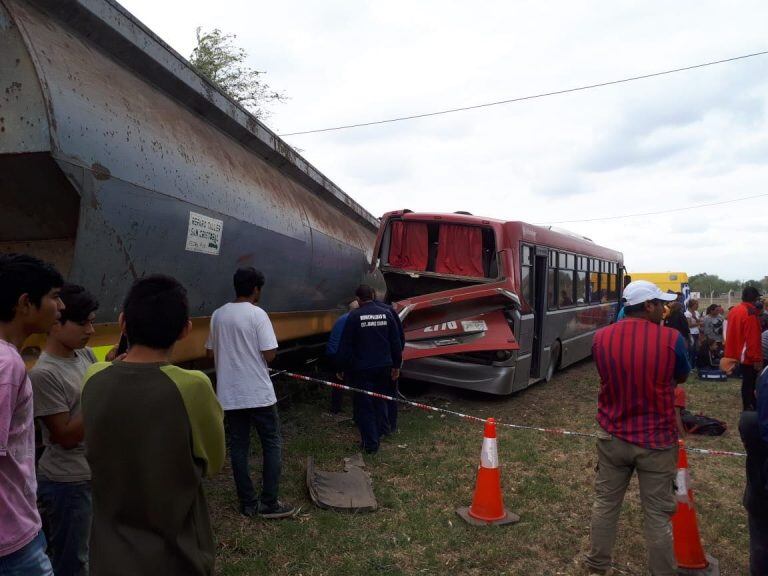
(702, 425)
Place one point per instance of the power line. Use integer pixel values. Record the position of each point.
(668, 211)
(522, 98)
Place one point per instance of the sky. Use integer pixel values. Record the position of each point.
(670, 142)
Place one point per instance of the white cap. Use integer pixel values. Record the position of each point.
(641, 291)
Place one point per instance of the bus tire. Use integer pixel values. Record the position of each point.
(554, 360)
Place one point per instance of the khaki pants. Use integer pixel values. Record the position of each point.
(656, 474)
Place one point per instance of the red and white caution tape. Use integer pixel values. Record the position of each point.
(427, 407)
(714, 452)
(383, 396)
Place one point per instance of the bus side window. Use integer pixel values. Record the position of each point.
(565, 286)
(581, 287)
(613, 289)
(526, 275)
(551, 282)
(581, 281)
(604, 286)
(594, 280)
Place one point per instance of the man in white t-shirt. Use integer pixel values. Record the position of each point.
(243, 343)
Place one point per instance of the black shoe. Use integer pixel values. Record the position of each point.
(249, 510)
(277, 510)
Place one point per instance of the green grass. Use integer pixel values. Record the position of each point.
(428, 470)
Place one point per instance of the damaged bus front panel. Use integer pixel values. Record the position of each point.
(445, 277)
(479, 297)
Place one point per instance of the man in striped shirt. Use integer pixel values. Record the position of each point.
(640, 363)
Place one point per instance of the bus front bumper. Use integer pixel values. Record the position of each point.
(491, 379)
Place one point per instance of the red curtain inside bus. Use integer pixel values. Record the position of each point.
(409, 245)
(460, 251)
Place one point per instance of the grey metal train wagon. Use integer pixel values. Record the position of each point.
(118, 160)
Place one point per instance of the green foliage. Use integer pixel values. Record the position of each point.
(759, 284)
(218, 59)
(707, 283)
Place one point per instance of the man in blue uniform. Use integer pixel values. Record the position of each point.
(370, 353)
(389, 426)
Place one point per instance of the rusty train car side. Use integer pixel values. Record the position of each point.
(118, 160)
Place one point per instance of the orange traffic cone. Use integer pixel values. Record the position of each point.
(689, 553)
(487, 504)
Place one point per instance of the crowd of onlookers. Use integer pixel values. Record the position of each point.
(705, 333)
(118, 487)
(128, 442)
(642, 360)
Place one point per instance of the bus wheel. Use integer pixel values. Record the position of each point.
(554, 360)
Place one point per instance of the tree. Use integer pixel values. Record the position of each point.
(708, 283)
(218, 59)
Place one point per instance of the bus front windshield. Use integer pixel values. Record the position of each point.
(442, 248)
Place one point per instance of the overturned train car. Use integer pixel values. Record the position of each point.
(490, 305)
(117, 160)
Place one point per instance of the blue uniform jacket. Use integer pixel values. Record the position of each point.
(398, 323)
(335, 337)
(370, 340)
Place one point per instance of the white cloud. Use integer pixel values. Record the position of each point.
(671, 141)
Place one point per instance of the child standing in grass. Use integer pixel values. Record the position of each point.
(152, 432)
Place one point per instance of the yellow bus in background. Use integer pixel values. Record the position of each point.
(666, 281)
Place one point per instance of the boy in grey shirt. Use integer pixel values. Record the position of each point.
(64, 487)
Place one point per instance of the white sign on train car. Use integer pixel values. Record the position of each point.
(204, 234)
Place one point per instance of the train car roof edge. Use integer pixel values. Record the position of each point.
(124, 38)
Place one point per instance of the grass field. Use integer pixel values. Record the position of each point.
(428, 470)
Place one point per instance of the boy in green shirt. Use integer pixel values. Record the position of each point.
(152, 431)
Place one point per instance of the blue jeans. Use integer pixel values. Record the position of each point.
(27, 561)
(66, 511)
(267, 424)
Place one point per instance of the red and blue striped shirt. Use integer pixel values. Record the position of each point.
(638, 362)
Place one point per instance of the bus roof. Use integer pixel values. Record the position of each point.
(516, 231)
(656, 277)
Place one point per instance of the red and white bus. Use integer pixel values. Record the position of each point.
(490, 305)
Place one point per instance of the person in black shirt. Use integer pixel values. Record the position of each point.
(753, 427)
(677, 320)
(709, 354)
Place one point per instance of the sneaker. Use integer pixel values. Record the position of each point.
(579, 561)
(277, 510)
